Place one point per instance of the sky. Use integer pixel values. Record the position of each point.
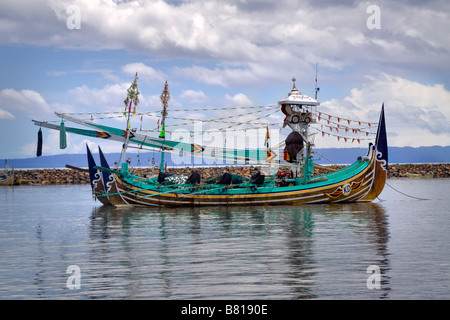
(227, 57)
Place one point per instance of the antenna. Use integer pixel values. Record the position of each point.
(316, 89)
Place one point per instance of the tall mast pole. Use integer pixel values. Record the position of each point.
(132, 97)
(165, 97)
(315, 87)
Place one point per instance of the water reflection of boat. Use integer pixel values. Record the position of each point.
(295, 253)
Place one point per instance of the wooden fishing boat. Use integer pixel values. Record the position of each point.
(6, 180)
(363, 180)
(7, 176)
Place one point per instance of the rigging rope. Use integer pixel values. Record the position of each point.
(232, 121)
(324, 157)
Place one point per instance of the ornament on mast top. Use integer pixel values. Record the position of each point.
(165, 97)
(132, 97)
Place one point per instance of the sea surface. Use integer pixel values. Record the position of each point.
(56, 242)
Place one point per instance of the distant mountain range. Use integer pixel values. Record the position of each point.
(433, 154)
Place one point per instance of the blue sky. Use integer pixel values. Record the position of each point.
(223, 54)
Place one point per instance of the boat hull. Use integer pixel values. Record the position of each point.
(362, 181)
(9, 181)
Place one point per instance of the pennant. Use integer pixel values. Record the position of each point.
(286, 156)
(267, 138)
(39, 144)
(162, 134)
(62, 136)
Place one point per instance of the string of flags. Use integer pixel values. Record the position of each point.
(330, 125)
(327, 117)
(344, 138)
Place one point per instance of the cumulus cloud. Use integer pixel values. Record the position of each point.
(24, 102)
(239, 99)
(145, 73)
(252, 41)
(5, 114)
(108, 98)
(193, 96)
(416, 114)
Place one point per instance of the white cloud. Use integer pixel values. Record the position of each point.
(239, 100)
(145, 73)
(25, 102)
(108, 98)
(416, 114)
(5, 114)
(249, 42)
(193, 96)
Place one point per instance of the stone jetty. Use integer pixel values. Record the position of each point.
(73, 175)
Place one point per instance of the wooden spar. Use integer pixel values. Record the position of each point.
(68, 166)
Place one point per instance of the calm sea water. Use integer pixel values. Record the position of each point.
(289, 252)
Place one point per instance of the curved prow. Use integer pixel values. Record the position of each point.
(380, 160)
(381, 139)
(107, 176)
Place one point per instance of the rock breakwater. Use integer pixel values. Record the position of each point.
(81, 176)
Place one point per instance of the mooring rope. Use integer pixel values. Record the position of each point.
(404, 193)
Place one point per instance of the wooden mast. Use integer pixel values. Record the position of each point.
(132, 97)
(165, 97)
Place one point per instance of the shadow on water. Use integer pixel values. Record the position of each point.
(282, 252)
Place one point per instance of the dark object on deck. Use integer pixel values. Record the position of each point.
(162, 176)
(257, 179)
(225, 179)
(294, 144)
(194, 178)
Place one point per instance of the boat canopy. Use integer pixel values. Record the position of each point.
(295, 97)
